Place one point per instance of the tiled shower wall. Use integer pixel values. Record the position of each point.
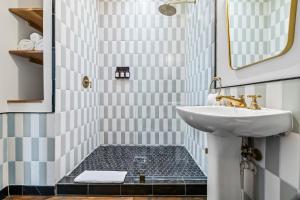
(200, 42)
(92, 38)
(141, 111)
(77, 117)
(278, 176)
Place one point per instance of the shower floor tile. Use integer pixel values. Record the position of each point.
(160, 161)
(169, 170)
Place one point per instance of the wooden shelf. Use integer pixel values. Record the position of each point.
(33, 56)
(34, 16)
(26, 101)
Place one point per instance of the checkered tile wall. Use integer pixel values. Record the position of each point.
(200, 42)
(278, 176)
(141, 110)
(252, 27)
(77, 114)
(3, 152)
(30, 146)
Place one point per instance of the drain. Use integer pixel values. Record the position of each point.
(140, 164)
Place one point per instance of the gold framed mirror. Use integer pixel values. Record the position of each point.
(259, 30)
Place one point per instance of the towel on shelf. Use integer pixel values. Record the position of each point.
(101, 177)
(211, 100)
(39, 45)
(25, 44)
(35, 37)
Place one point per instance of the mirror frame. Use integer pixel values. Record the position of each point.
(290, 39)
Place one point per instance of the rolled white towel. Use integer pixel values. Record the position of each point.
(35, 37)
(211, 100)
(25, 44)
(39, 45)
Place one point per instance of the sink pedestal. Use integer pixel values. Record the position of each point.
(224, 167)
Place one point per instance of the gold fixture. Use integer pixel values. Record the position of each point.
(233, 102)
(254, 105)
(86, 82)
(290, 39)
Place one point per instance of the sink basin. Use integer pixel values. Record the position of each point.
(227, 126)
(237, 121)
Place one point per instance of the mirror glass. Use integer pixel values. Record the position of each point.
(259, 30)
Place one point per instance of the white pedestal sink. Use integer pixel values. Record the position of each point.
(227, 125)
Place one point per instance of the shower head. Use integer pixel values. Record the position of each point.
(169, 10)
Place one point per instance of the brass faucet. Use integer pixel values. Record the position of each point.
(234, 102)
(254, 105)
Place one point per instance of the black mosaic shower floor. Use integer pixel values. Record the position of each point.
(169, 171)
(160, 161)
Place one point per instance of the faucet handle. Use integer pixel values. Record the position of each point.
(254, 105)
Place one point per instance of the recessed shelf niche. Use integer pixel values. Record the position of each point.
(27, 78)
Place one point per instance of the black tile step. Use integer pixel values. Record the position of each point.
(153, 186)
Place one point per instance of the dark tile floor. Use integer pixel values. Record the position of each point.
(169, 170)
(154, 161)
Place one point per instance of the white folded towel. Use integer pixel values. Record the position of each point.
(211, 100)
(34, 37)
(101, 177)
(39, 45)
(25, 44)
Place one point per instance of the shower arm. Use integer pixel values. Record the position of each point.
(180, 2)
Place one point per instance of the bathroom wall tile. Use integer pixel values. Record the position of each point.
(19, 125)
(11, 125)
(19, 149)
(261, 89)
(11, 149)
(289, 167)
(291, 99)
(288, 192)
(19, 173)
(199, 69)
(27, 125)
(259, 184)
(272, 154)
(11, 173)
(272, 186)
(27, 173)
(77, 117)
(143, 39)
(274, 95)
